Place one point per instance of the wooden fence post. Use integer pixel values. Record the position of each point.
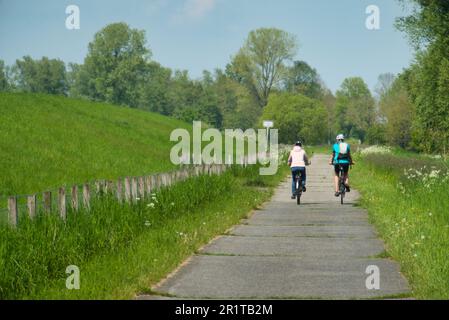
(162, 180)
(141, 188)
(86, 196)
(47, 202)
(127, 190)
(104, 187)
(153, 183)
(109, 187)
(97, 187)
(75, 202)
(134, 190)
(148, 185)
(62, 203)
(119, 190)
(31, 204)
(159, 181)
(13, 212)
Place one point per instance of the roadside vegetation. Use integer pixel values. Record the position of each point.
(407, 198)
(122, 250)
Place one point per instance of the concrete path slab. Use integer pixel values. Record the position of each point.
(221, 277)
(291, 246)
(351, 232)
(321, 250)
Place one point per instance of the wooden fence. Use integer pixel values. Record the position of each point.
(127, 190)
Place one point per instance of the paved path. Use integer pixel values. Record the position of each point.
(320, 249)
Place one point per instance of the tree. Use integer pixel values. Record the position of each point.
(354, 111)
(237, 106)
(428, 23)
(427, 28)
(45, 75)
(329, 102)
(154, 93)
(3, 77)
(384, 83)
(302, 78)
(297, 117)
(397, 110)
(260, 63)
(115, 67)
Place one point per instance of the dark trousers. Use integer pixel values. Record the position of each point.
(295, 172)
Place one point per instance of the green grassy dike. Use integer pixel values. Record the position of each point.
(121, 250)
(407, 200)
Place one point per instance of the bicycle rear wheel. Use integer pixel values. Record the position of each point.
(342, 190)
(298, 190)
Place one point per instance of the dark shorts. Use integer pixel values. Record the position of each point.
(345, 168)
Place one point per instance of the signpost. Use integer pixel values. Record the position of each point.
(268, 124)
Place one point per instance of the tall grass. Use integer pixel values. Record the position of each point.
(408, 200)
(49, 141)
(121, 249)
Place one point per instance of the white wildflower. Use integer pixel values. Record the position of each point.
(376, 149)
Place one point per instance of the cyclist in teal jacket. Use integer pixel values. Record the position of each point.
(341, 156)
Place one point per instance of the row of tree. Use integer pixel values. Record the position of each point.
(118, 69)
(263, 82)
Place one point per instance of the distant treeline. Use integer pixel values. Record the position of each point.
(262, 81)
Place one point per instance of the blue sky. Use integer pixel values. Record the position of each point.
(203, 34)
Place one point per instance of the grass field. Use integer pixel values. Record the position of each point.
(120, 249)
(408, 200)
(49, 141)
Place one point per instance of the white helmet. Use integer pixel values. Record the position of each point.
(340, 137)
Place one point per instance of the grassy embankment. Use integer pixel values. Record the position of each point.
(407, 196)
(49, 141)
(120, 249)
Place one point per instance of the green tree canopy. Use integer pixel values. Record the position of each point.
(428, 29)
(115, 67)
(354, 110)
(302, 78)
(3, 77)
(261, 62)
(44, 75)
(297, 117)
(397, 109)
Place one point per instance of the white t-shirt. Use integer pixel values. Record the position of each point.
(298, 157)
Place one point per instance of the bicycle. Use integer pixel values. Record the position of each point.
(341, 183)
(298, 190)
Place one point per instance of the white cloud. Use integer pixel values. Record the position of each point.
(194, 10)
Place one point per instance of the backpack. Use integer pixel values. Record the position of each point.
(343, 153)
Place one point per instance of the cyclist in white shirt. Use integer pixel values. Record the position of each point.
(298, 161)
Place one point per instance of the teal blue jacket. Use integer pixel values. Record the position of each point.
(341, 158)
